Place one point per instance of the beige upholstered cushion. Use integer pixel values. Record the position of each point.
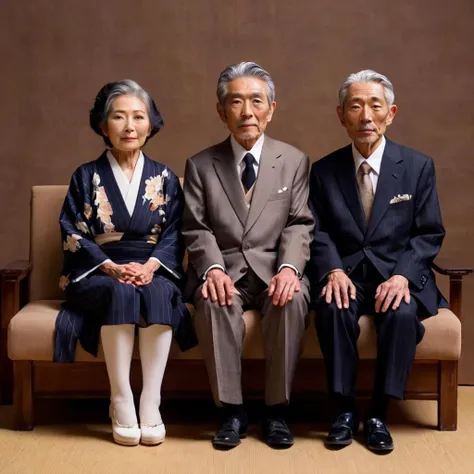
(31, 332)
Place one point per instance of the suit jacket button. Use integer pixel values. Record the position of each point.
(246, 247)
(367, 247)
(348, 269)
(243, 270)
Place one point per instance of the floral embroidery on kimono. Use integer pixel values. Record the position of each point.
(154, 191)
(63, 282)
(104, 208)
(72, 243)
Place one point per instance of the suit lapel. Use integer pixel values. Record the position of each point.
(264, 185)
(390, 172)
(346, 176)
(226, 170)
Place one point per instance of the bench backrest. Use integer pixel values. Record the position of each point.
(46, 253)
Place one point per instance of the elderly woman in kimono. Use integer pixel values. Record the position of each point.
(120, 226)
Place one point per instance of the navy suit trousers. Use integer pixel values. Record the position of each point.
(398, 333)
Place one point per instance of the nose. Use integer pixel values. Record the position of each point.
(366, 115)
(247, 109)
(129, 125)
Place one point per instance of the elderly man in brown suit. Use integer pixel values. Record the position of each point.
(247, 229)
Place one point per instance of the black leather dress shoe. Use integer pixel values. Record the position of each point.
(377, 436)
(230, 433)
(343, 430)
(277, 434)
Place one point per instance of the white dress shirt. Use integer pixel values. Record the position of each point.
(374, 161)
(239, 153)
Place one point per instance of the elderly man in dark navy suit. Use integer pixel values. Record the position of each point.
(378, 229)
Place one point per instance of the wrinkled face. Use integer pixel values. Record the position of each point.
(247, 111)
(366, 113)
(128, 124)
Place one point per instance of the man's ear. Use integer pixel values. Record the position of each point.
(340, 114)
(391, 114)
(271, 111)
(221, 112)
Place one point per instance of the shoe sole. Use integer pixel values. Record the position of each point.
(381, 450)
(152, 441)
(226, 444)
(280, 445)
(126, 441)
(337, 444)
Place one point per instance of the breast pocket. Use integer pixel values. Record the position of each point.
(277, 196)
(400, 214)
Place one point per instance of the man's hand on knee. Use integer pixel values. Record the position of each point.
(283, 286)
(339, 286)
(393, 290)
(219, 287)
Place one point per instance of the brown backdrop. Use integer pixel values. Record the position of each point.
(55, 55)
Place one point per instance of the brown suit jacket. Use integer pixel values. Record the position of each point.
(219, 228)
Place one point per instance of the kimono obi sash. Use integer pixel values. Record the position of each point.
(126, 251)
(106, 238)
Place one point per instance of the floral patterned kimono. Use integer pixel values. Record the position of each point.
(106, 217)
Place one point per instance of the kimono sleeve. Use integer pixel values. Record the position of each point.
(170, 248)
(81, 253)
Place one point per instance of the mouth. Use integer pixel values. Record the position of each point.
(247, 125)
(128, 139)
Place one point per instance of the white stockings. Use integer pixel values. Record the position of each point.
(154, 344)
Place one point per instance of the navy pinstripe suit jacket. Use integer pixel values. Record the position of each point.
(403, 236)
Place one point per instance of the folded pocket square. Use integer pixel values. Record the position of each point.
(400, 198)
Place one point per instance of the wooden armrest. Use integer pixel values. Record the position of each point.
(449, 267)
(455, 272)
(17, 270)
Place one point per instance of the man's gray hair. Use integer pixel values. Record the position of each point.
(367, 75)
(244, 69)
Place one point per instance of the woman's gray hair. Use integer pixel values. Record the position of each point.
(367, 75)
(244, 69)
(106, 96)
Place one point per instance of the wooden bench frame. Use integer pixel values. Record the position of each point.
(24, 381)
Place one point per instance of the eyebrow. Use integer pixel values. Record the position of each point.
(238, 94)
(373, 98)
(124, 111)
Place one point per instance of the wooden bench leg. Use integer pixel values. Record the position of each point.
(23, 394)
(448, 395)
(6, 372)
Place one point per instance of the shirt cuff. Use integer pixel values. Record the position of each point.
(298, 274)
(90, 271)
(166, 268)
(331, 271)
(212, 267)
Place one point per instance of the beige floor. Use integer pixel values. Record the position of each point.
(87, 448)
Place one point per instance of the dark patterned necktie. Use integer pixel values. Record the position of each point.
(248, 175)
